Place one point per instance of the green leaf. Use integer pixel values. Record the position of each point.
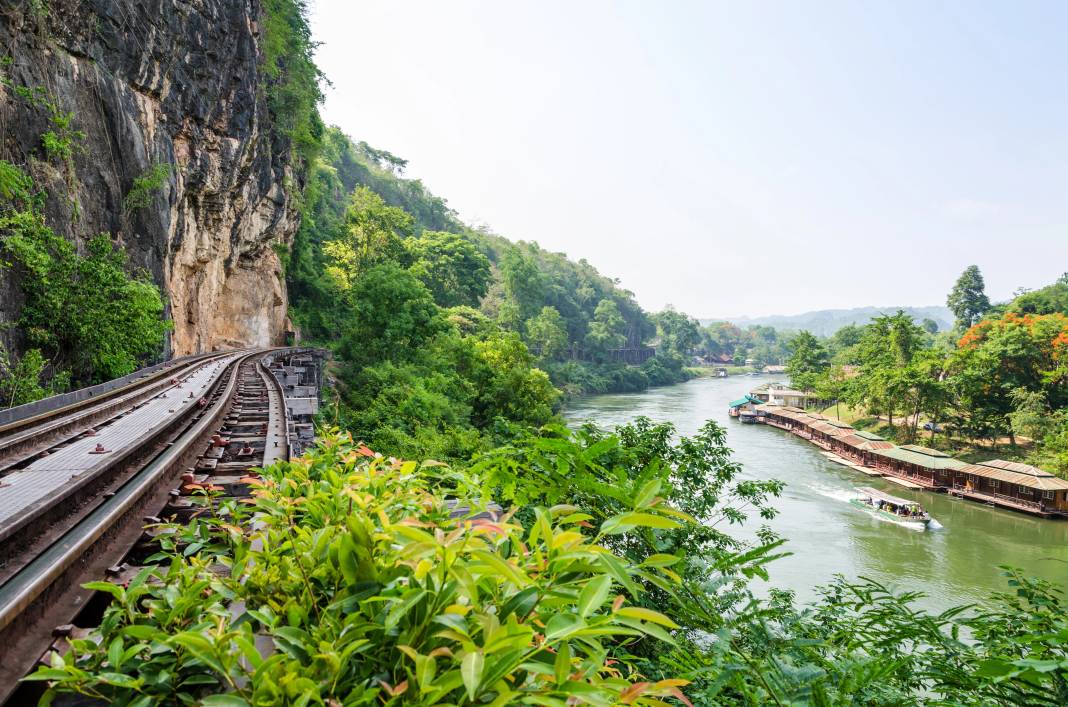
(224, 701)
(501, 567)
(593, 594)
(562, 664)
(200, 647)
(660, 560)
(112, 589)
(120, 680)
(637, 612)
(400, 609)
(625, 521)
(561, 626)
(647, 493)
(115, 654)
(47, 674)
(471, 671)
(141, 632)
(520, 604)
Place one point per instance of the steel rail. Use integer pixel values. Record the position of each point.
(90, 411)
(135, 383)
(29, 583)
(265, 371)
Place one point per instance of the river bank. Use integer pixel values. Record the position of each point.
(955, 564)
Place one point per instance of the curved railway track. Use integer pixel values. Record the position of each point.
(73, 504)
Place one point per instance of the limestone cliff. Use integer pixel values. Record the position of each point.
(159, 82)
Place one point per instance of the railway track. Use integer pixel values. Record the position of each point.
(73, 508)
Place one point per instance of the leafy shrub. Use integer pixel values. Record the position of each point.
(83, 310)
(144, 186)
(15, 185)
(23, 379)
(369, 592)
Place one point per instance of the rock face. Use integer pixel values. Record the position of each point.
(159, 82)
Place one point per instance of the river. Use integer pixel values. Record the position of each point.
(954, 564)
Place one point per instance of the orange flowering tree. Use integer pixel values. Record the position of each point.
(1000, 355)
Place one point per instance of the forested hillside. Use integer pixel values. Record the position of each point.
(825, 322)
(443, 330)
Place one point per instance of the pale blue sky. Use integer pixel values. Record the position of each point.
(730, 157)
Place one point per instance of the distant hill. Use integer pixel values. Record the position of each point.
(825, 322)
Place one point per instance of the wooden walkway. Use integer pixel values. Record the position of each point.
(1003, 502)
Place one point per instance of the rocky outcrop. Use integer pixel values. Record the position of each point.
(159, 82)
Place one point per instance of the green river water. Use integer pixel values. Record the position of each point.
(956, 563)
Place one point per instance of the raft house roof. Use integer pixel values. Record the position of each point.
(868, 445)
(827, 428)
(920, 456)
(746, 400)
(1017, 473)
(870, 436)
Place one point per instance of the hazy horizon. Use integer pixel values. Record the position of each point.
(837, 154)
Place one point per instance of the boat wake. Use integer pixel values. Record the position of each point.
(848, 496)
(836, 494)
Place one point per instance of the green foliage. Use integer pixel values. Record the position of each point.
(679, 334)
(342, 239)
(24, 380)
(60, 142)
(607, 331)
(454, 270)
(1047, 300)
(507, 383)
(808, 361)
(392, 316)
(373, 593)
(997, 358)
(547, 334)
(291, 79)
(15, 185)
(523, 284)
(603, 588)
(83, 312)
(374, 233)
(968, 300)
(764, 344)
(145, 186)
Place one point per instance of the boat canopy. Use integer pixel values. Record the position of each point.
(887, 498)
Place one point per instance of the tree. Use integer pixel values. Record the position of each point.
(885, 352)
(451, 266)
(546, 334)
(845, 337)
(678, 333)
(393, 316)
(508, 385)
(1031, 417)
(1000, 355)
(373, 233)
(929, 325)
(523, 283)
(968, 300)
(608, 330)
(808, 359)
